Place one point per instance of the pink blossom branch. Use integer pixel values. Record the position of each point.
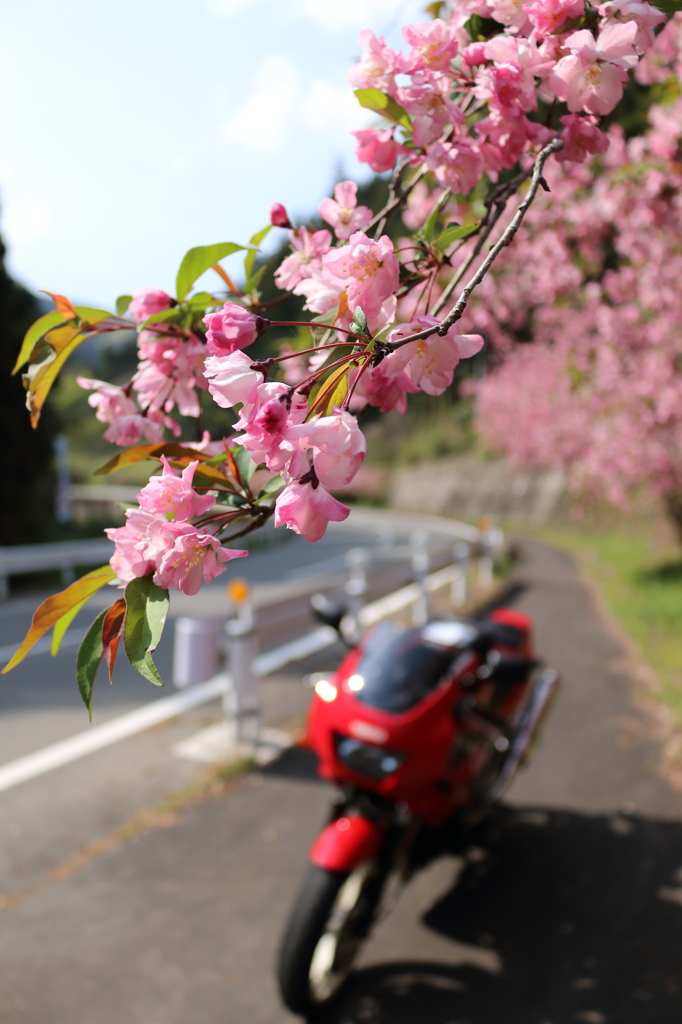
(506, 238)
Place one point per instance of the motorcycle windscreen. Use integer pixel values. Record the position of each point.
(398, 669)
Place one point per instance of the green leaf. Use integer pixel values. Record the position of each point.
(275, 483)
(61, 626)
(201, 301)
(381, 103)
(339, 393)
(164, 316)
(255, 280)
(45, 323)
(359, 323)
(89, 659)
(122, 303)
(200, 259)
(247, 467)
(55, 607)
(454, 233)
(36, 331)
(146, 610)
(430, 226)
(255, 241)
(669, 6)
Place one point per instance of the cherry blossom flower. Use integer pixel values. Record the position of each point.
(307, 508)
(338, 446)
(231, 379)
(114, 406)
(231, 328)
(131, 557)
(433, 46)
(368, 272)
(430, 109)
(581, 138)
(148, 301)
(170, 369)
(378, 148)
(376, 66)
(343, 213)
(456, 165)
(308, 248)
(430, 362)
(173, 495)
(592, 77)
(186, 557)
(378, 387)
(644, 15)
(549, 16)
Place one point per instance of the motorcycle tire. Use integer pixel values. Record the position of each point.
(329, 919)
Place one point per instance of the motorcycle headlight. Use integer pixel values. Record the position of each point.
(376, 762)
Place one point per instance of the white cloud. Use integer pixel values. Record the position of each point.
(25, 212)
(262, 122)
(327, 106)
(228, 8)
(280, 102)
(335, 16)
(332, 16)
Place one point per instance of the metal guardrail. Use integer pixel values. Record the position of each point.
(64, 555)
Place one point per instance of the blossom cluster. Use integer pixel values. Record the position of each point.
(466, 93)
(599, 297)
(472, 96)
(159, 538)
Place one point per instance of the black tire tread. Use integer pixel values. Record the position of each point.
(302, 932)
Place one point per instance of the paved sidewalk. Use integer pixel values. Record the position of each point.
(569, 909)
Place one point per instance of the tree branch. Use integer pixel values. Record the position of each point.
(458, 309)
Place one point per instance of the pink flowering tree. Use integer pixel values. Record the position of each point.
(593, 284)
(472, 113)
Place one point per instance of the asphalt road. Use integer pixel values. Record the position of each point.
(568, 908)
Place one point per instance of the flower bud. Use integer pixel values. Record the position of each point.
(279, 217)
(231, 328)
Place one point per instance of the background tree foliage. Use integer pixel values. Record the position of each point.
(27, 509)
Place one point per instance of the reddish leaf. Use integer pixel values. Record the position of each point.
(112, 630)
(145, 452)
(55, 607)
(63, 305)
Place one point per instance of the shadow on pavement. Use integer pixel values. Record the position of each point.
(295, 763)
(583, 912)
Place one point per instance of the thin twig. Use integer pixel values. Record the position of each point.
(395, 199)
(458, 309)
(496, 206)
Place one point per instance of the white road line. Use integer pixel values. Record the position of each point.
(43, 646)
(99, 736)
(120, 728)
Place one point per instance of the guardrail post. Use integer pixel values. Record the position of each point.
(458, 589)
(196, 651)
(356, 585)
(241, 708)
(420, 568)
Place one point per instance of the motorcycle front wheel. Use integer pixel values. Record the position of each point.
(328, 922)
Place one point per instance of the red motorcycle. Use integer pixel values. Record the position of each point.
(421, 731)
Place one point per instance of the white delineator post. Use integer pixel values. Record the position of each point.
(420, 568)
(458, 588)
(356, 586)
(241, 708)
(196, 651)
(491, 543)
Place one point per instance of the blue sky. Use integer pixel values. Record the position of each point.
(130, 132)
